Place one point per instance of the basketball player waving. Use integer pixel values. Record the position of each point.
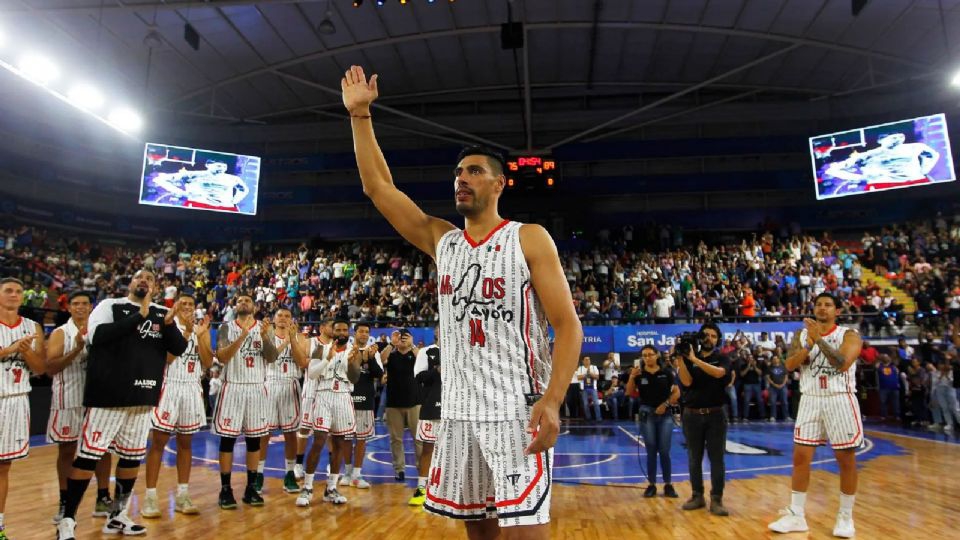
(827, 356)
(500, 281)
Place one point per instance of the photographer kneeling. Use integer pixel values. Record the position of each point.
(655, 383)
(704, 424)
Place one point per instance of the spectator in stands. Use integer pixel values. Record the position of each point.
(888, 383)
(589, 376)
(777, 388)
(751, 375)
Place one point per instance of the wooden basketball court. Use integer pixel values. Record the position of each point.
(913, 494)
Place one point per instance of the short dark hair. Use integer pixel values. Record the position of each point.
(77, 294)
(493, 157)
(712, 326)
(832, 298)
(338, 320)
(360, 325)
(6, 280)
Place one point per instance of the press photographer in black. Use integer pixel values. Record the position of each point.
(654, 381)
(704, 374)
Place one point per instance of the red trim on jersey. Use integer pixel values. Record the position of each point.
(205, 206)
(60, 375)
(20, 320)
(832, 330)
(526, 339)
(526, 492)
(86, 443)
(60, 437)
(485, 238)
(237, 322)
(17, 453)
(216, 415)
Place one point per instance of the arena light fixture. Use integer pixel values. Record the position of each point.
(956, 79)
(38, 68)
(85, 96)
(125, 119)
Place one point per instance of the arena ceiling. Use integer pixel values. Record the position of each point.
(267, 73)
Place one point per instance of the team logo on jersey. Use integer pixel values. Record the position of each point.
(477, 296)
(149, 329)
(145, 383)
(514, 478)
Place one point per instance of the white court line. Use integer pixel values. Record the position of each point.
(636, 438)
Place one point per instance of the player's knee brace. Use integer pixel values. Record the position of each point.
(253, 444)
(124, 463)
(85, 464)
(226, 444)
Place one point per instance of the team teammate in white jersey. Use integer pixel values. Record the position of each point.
(181, 410)
(308, 393)
(500, 412)
(245, 347)
(21, 353)
(283, 395)
(364, 396)
(826, 355)
(336, 368)
(67, 366)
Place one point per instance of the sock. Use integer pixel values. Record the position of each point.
(332, 481)
(75, 489)
(251, 478)
(225, 480)
(348, 470)
(798, 499)
(63, 496)
(356, 472)
(182, 489)
(152, 492)
(122, 491)
(308, 480)
(1, 522)
(289, 463)
(299, 459)
(103, 493)
(422, 482)
(260, 467)
(846, 502)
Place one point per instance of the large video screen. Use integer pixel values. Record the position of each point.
(897, 155)
(199, 179)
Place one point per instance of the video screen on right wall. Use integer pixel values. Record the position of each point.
(907, 153)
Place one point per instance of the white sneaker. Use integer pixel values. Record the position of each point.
(150, 508)
(844, 527)
(934, 427)
(334, 496)
(298, 471)
(344, 480)
(65, 529)
(360, 483)
(789, 522)
(306, 495)
(948, 427)
(122, 524)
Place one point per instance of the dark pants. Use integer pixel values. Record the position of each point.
(572, 401)
(657, 434)
(706, 431)
(890, 398)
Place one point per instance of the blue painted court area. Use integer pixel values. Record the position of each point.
(607, 453)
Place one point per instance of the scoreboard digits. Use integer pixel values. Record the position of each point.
(532, 172)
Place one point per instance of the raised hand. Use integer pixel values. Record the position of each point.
(25, 344)
(813, 331)
(80, 340)
(202, 327)
(358, 93)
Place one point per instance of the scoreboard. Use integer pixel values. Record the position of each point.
(532, 173)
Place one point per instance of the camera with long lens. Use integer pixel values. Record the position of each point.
(687, 342)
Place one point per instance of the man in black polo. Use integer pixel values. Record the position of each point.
(403, 397)
(705, 375)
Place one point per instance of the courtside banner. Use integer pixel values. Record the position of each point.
(631, 338)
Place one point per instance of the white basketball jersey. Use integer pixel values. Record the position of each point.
(285, 367)
(819, 378)
(310, 385)
(334, 377)
(14, 373)
(492, 328)
(186, 367)
(67, 385)
(247, 365)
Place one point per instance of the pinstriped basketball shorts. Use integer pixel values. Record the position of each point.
(479, 471)
(834, 418)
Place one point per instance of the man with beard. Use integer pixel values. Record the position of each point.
(336, 369)
(364, 396)
(704, 424)
(499, 284)
(181, 411)
(21, 352)
(827, 357)
(129, 341)
(245, 346)
(283, 395)
(67, 366)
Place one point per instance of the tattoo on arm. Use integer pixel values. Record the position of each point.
(833, 355)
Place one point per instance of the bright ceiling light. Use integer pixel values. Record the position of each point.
(956, 79)
(85, 96)
(125, 119)
(38, 68)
